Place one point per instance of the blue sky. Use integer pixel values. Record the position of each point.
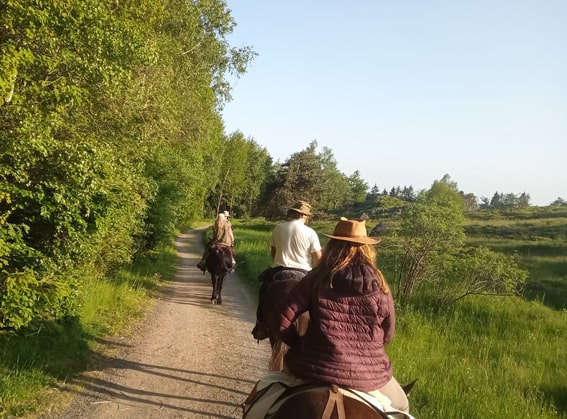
(407, 91)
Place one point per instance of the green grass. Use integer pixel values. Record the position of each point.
(485, 358)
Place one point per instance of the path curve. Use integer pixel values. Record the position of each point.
(187, 359)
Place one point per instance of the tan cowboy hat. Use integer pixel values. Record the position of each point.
(302, 207)
(352, 230)
(226, 214)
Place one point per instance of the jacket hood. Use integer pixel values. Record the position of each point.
(356, 280)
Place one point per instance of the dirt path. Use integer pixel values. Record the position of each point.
(189, 358)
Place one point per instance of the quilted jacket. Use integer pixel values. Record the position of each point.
(350, 323)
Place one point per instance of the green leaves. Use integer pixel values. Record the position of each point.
(110, 128)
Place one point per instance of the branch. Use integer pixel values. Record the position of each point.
(8, 98)
(191, 49)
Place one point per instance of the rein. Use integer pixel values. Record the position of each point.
(335, 399)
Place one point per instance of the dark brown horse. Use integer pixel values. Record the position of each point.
(219, 264)
(281, 284)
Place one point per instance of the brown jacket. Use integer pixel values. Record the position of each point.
(222, 231)
(349, 326)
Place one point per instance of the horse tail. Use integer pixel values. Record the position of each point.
(408, 387)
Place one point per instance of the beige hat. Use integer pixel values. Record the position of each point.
(226, 214)
(352, 230)
(301, 207)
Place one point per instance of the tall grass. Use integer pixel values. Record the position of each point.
(485, 357)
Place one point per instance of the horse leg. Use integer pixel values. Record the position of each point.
(214, 281)
(219, 287)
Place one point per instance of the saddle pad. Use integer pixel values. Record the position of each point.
(263, 402)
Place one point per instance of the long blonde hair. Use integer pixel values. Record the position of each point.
(340, 253)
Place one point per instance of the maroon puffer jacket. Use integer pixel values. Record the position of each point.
(349, 326)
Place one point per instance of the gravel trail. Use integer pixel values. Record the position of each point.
(187, 358)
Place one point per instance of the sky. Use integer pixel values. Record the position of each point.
(406, 91)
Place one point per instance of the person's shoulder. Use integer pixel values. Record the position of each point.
(311, 230)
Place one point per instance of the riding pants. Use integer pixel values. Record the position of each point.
(395, 393)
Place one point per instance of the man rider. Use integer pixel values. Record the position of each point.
(294, 247)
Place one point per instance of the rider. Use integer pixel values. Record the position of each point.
(222, 234)
(352, 318)
(295, 249)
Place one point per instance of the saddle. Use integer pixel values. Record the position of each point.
(281, 273)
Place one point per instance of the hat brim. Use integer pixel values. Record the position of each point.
(359, 240)
(300, 212)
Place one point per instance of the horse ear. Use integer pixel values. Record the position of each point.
(408, 387)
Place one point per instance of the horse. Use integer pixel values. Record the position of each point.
(280, 285)
(280, 400)
(219, 264)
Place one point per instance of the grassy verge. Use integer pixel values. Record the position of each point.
(35, 360)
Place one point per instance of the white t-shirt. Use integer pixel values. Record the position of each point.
(294, 243)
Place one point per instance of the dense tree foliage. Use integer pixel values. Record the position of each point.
(244, 169)
(314, 177)
(110, 129)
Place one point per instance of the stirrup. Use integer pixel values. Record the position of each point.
(202, 266)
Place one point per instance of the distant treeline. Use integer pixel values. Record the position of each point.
(501, 201)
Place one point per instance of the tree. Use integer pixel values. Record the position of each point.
(430, 227)
(374, 194)
(524, 200)
(335, 191)
(244, 169)
(407, 193)
(300, 177)
(496, 201)
(358, 187)
(470, 202)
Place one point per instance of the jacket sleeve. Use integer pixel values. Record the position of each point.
(389, 323)
(296, 303)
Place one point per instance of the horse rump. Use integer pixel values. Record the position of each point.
(275, 292)
(219, 259)
(310, 401)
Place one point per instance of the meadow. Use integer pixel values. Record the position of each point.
(486, 356)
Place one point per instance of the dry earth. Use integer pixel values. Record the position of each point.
(188, 358)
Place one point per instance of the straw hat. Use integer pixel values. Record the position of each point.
(352, 230)
(302, 207)
(226, 214)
